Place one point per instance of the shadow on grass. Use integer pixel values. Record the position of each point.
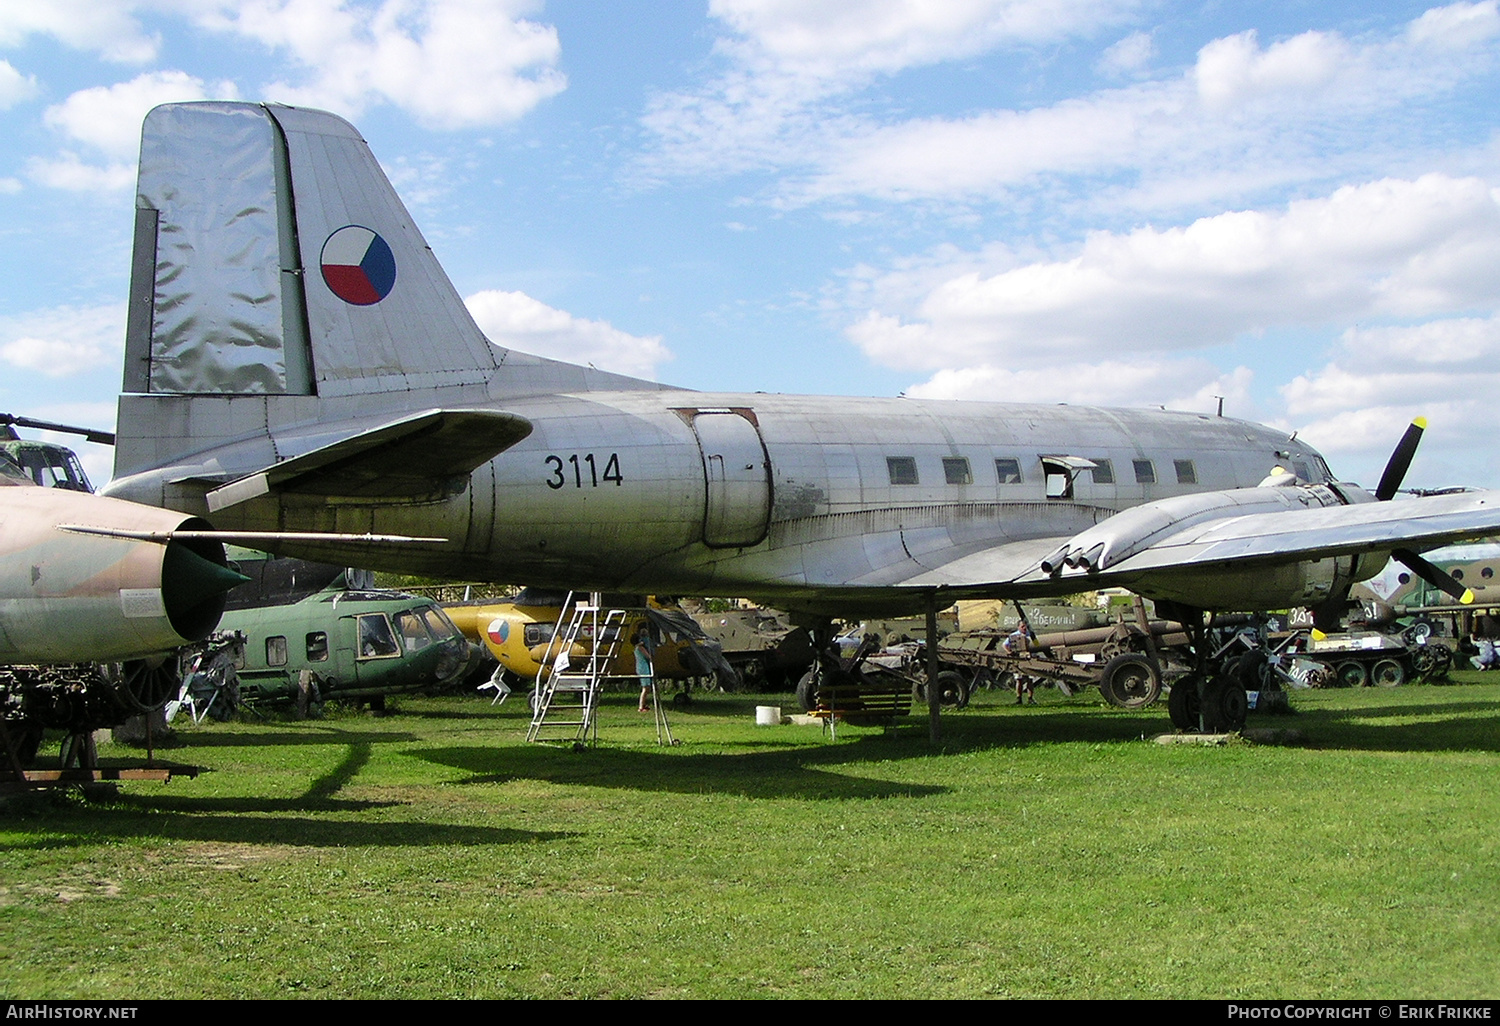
(314, 734)
(267, 820)
(798, 772)
(124, 821)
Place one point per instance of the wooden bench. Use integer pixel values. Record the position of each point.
(860, 704)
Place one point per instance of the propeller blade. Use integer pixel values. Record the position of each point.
(1432, 575)
(1400, 460)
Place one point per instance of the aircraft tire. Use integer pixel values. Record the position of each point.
(1182, 703)
(1388, 673)
(1224, 706)
(682, 700)
(806, 687)
(1130, 681)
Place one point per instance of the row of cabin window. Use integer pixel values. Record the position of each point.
(956, 471)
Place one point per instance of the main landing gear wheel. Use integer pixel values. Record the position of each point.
(1130, 681)
(1224, 706)
(1182, 703)
(806, 689)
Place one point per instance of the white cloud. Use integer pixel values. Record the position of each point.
(109, 118)
(1245, 117)
(14, 86)
(104, 27)
(1378, 379)
(452, 63)
(1456, 26)
(70, 172)
(850, 38)
(1128, 56)
(787, 58)
(1393, 247)
(515, 320)
(65, 340)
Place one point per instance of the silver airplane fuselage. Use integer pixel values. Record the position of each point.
(821, 503)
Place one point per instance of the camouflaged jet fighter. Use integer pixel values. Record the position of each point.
(297, 359)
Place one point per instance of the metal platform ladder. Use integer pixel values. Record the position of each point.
(568, 700)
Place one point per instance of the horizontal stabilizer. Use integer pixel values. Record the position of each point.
(427, 455)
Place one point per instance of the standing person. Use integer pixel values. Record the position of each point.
(643, 668)
(1015, 643)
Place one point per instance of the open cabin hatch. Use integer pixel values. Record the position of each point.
(737, 474)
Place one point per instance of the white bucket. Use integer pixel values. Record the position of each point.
(768, 715)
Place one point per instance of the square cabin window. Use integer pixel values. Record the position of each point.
(1008, 470)
(1145, 473)
(317, 647)
(903, 469)
(1185, 472)
(956, 470)
(276, 651)
(1104, 471)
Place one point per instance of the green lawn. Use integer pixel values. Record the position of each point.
(1040, 851)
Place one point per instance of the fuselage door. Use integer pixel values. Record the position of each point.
(737, 472)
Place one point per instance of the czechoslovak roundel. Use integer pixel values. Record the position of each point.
(358, 265)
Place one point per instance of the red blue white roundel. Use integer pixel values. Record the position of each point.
(358, 265)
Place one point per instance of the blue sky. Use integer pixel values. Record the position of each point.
(1293, 206)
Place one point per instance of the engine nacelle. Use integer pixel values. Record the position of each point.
(1130, 531)
(68, 597)
(1310, 583)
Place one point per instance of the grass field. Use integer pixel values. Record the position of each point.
(1040, 851)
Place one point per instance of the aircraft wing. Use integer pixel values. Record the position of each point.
(416, 456)
(1245, 541)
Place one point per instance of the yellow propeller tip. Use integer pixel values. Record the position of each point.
(1420, 422)
(1318, 635)
(1467, 598)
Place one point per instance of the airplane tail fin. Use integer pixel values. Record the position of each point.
(273, 257)
(283, 300)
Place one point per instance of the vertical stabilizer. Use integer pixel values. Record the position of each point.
(272, 256)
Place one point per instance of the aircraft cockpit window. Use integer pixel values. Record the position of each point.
(1145, 472)
(413, 631)
(441, 627)
(956, 470)
(1300, 469)
(1104, 471)
(375, 638)
(53, 467)
(902, 469)
(1008, 470)
(537, 633)
(276, 651)
(1186, 473)
(317, 647)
